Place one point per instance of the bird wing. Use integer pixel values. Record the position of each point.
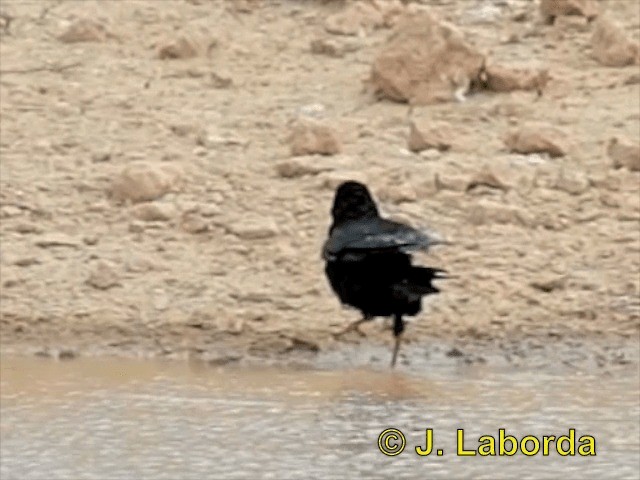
(356, 237)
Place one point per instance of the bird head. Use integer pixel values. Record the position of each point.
(352, 201)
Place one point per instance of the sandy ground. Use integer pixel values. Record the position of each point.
(231, 269)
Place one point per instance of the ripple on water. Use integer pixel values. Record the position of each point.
(123, 419)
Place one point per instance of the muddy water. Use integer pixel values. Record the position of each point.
(112, 419)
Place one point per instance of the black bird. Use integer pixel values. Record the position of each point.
(368, 263)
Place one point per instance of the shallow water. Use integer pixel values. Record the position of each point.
(105, 418)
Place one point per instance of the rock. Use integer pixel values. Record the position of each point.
(397, 193)
(612, 47)
(160, 300)
(193, 223)
(313, 137)
(426, 134)
(136, 227)
(570, 23)
(9, 211)
(101, 156)
(57, 240)
(424, 62)
(486, 213)
(67, 354)
(181, 48)
(299, 167)
(224, 359)
(624, 153)
(246, 6)
(85, 30)
(503, 79)
(152, 212)
(361, 18)
(26, 261)
(212, 139)
(103, 276)
(455, 353)
(332, 48)
(144, 181)
(572, 182)
(257, 228)
(486, 178)
(90, 240)
(220, 80)
(431, 154)
(550, 9)
(26, 228)
(537, 138)
(304, 344)
(549, 283)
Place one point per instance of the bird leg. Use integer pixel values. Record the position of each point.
(398, 328)
(396, 349)
(351, 327)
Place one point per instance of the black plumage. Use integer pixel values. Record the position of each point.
(368, 261)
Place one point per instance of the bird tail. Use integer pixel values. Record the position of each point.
(419, 280)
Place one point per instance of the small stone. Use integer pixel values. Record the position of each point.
(431, 154)
(224, 359)
(99, 157)
(258, 228)
(160, 301)
(66, 354)
(220, 80)
(624, 153)
(425, 134)
(573, 183)
(85, 30)
(455, 353)
(304, 344)
(398, 194)
(487, 213)
(193, 223)
(357, 18)
(326, 47)
(299, 167)
(153, 212)
(503, 79)
(537, 138)
(312, 137)
(90, 240)
(180, 48)
(549, 284)
(136, 227)
(57, 240)
(27, 228)
(9, 211)
(486, 178)
(26, 261)
(103, 276)
(144, 181)
(210, 210)
(550, 9)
